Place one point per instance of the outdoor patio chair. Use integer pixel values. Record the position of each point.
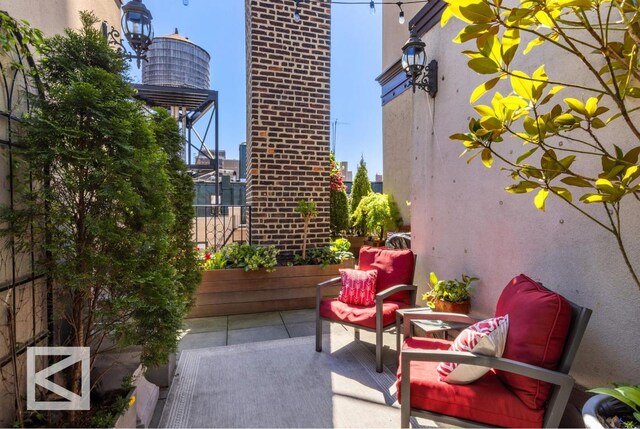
(394, 290)
(528, 386)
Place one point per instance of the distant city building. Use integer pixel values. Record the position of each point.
(346, 174)
(378, 177)
(243, 161)
(375, 186)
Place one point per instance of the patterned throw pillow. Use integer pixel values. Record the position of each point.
(487, 337)
(358, 286)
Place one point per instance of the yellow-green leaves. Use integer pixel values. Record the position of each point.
(487, 157)
(510, 44)
(522, 85)
(470, 11)
(540, 199)
(483, 88)
(483, 65)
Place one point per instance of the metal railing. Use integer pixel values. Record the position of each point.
(217, 225)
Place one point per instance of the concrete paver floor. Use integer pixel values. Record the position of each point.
(227, 330)
(220, 331)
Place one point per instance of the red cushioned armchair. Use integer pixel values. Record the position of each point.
(394, 290)
(528, 386)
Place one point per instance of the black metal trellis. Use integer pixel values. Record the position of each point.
(13, 81)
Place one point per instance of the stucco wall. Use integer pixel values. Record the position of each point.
(397, 116)
(397, 166)
(463, 220)
(53, 16)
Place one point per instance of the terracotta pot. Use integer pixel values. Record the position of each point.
(462, 307)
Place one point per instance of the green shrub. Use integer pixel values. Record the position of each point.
(339, 212)
(377, 212)
(249, 257)
(338, 201)
(361, 188)
(334, 253)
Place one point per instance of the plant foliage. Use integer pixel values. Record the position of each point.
(563, 152)
(249, 257)
(378, 213)
(629, 395)
(335, 253)
(360, 189)
(449, 290)
(308, 210)
(111, 199)
(338, 201)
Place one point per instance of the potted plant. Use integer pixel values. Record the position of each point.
(379, 213)
(308, 210)
(450, 296)
(613, 407)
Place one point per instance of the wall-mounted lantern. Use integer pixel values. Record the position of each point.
(136, 28)
(414, 64)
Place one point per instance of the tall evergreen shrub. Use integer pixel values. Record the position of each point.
(338, 201)
(111, 201)
(360, 189)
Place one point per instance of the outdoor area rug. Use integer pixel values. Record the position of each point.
(283, 383)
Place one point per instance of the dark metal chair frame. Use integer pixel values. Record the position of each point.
(561, 382)
(379, 329)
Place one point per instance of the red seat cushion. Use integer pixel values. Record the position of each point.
(487, 400)
(539, 320)
(394, 266)
(357, 314)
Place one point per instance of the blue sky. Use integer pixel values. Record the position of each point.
(218, 27)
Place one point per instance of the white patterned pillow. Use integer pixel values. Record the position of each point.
(487, 337)
(358, 286)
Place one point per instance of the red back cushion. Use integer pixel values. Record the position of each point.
(539, 321)
(394, 266)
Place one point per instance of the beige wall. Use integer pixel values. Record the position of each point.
(463, 221)
(395, 34)
(397, 115)
(53, 16)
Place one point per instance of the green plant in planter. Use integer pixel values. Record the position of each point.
(335, 253)
(452, 290)
(249, 257)
(308, 210)
(378, 213)
(629, 395)
(338, 200)
(360, 189)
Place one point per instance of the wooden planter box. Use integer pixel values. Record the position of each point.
(234, 291)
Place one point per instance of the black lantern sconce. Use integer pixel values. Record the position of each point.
(414, 63)
(137, 29)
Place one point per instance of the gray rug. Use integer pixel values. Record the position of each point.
(282, 383)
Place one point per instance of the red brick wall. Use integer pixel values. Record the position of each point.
(287, 119)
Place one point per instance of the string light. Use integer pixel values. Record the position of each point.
(401, 16)
(372, 6)
(296, 13)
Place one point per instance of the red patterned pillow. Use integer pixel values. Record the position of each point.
(358, 286)
(487, 337)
